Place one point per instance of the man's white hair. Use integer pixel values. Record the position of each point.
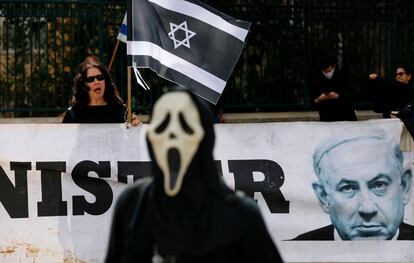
(377, 136)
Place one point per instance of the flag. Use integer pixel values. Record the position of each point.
(186, 42)
(122, 35)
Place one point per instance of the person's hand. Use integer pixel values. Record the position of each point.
(321, 98)
(135, 121)
(327, 96)
(373, 76)
(333, 95)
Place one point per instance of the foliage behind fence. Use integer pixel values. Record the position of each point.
(43, 41)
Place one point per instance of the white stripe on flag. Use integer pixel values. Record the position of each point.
(121, 37)
(144, 48)
(202, 14)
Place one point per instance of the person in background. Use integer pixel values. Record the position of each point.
(391, 95)
(403, 74)
(95, 98)
(331, 93)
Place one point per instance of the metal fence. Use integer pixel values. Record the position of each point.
(41, 42)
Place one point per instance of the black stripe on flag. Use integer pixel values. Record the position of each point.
(207, 56)
(181, 79)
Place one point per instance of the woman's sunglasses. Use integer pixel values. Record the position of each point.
(91, 79)
(399, 74)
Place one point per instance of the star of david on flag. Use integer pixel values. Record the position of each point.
(186, 42)
(188, 34)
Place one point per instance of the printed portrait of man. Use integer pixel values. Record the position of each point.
(363, 186)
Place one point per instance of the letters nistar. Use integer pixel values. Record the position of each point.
(15, 198)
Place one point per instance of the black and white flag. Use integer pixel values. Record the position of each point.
(186, 42)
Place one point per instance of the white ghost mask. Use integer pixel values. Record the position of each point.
(175, 133)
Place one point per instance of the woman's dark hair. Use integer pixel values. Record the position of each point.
(80, 90)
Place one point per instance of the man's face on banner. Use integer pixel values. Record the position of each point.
(366, 191)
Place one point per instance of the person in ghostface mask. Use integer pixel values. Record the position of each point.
(331, 93)
(185, 213)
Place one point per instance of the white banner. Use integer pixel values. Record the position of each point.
(59, 183)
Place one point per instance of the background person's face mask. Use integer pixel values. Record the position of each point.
(329, 74)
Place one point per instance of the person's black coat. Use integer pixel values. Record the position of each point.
(132, 241)
(389, 95)
(340, 109)
(111, 113)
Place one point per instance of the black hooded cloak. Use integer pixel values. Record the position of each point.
(205, 222)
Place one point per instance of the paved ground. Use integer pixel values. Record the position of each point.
(229, 117)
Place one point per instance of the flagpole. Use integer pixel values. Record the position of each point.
(129, 102)
(113, 55)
